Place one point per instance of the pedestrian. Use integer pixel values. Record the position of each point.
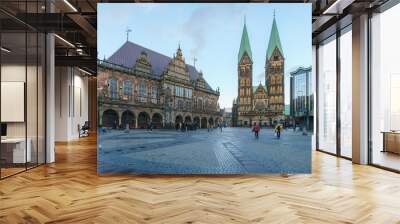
(220, 127)
(151, 126)
(256, 129)
(278, 130)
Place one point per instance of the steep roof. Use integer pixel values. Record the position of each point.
(244, 44)
(129, 52)
(274, 40)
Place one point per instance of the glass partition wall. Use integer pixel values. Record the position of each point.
(385, 89)
(345, 61)
(327, 95)
(334, 81)
(22, 95)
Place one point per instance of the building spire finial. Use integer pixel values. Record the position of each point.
(128, 30)
(274, 13)
(244, 19)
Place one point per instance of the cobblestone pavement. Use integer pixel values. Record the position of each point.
(232, 151)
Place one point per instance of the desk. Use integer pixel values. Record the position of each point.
(13, 150)
(391, 141)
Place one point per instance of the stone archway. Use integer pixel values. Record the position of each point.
(157, 120)
(196, 121)
(143, 120)
(128, 119)
(110, 119)
(178, 120)
(203, 122)
(188, 119)
(211, 121)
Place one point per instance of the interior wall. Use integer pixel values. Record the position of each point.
(71, 102)
(16, 73)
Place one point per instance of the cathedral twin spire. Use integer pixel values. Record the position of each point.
(244, 44)
(274, 42)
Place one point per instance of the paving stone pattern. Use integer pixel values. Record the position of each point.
(232, 151)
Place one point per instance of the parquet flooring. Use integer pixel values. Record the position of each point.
(70, 191)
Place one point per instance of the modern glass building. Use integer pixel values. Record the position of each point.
(302, 98)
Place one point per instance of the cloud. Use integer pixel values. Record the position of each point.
(201, 19)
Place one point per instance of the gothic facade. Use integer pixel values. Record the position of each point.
(263, 103)
(138, 86)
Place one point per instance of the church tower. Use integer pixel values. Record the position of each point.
(245, 79)
(274, 72)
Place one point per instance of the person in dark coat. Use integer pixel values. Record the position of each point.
(256, 129)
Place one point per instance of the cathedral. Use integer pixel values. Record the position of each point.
(264, 104)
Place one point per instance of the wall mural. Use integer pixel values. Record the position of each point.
(204, 88)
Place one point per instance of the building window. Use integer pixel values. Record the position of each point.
(113, 89)
(180, 104)
(385, 88)
(154, 94)
(179, 91)
(142, 91)
(327, 95)
(346, 94)
(190, 93)
(128, 88)
(300, 91)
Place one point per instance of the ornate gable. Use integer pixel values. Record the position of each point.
(200, 82)
(177, 67)
(142, 63)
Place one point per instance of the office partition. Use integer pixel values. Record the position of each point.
(22, 77)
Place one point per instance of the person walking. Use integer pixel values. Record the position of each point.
(220, 127)
(256, 129)
(278, 130)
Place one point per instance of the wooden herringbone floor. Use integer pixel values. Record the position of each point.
(70, 191)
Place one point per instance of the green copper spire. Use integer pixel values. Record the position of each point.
(274, 40)
(244, 44)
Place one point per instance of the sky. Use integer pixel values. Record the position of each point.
(211, 33)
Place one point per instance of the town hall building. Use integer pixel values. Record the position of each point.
(138, 87)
